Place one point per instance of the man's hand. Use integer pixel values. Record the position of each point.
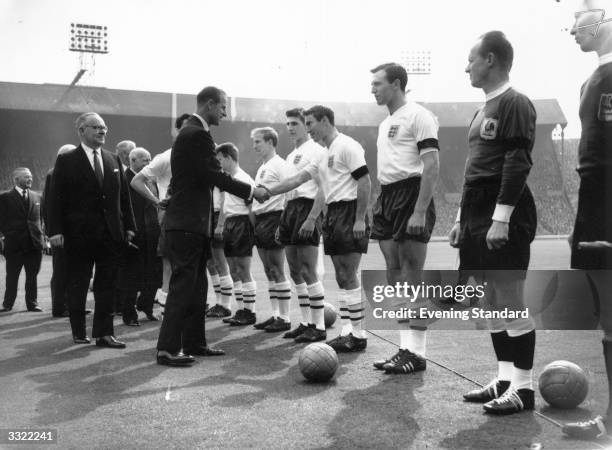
(359, 229)
(416, 223)
(453, 236)
(129, 235)
(219, 231)
(163, 204)
(261, 194)
(57, 241)
(497, 236)
(307, 228)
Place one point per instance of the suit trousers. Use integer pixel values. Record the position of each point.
(103, 252)
(58, 282)
(183, 323)
(30, 260)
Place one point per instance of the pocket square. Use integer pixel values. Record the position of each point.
(115, 170)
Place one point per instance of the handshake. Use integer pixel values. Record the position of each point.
(261, 193)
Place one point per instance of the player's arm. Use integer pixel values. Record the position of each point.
(308, 226)
(221, 222)
(288, 184)
(429, 178)
(139, 184)
(517, 128)
(364, 186)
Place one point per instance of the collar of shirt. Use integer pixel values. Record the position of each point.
(204, 123)
(19, 190)
(499, 91)
(89, 153)
(605, 59)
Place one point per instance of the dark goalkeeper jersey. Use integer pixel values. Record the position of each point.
(595, 148)
(500, 141)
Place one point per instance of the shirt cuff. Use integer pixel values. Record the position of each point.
(458, 218)
(502, 213)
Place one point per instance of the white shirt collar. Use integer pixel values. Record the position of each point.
(204, 124)
(90, 150)
(19, 190)
(499, 91)
(605, 59)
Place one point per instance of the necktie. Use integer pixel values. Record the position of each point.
(24, 196)
(98, 169)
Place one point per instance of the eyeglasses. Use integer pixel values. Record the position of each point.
(97, 127)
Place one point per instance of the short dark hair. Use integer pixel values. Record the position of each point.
(268, 134)
(228, 149)
(393, 71)
(297, 113)
(496, 42)
(319, 112)
(178, 123)
(209, 93)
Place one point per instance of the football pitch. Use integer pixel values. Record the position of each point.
(255, 396)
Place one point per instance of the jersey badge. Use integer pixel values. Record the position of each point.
(605, 108)
(393, 129)
(297, 159)
(262, 174)
(330, 161)
(488, 129)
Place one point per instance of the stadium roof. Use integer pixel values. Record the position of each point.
(53, 97)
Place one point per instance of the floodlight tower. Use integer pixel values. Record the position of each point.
(88, 40)
(416, 62)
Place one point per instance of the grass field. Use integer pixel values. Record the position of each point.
(256, 397)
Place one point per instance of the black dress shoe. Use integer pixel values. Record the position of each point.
(177, 360)
(132, 323)
(81, 340)
(35, 309)
(62, 314)
(5, 309)
(205, 350)
(152, 317)
(110, 342)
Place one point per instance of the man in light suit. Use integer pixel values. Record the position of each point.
(90, 216)
(195, 170)
(21, 238)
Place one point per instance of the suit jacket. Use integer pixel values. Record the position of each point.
(195, 171)
(20, 224)
(79, 209)
(45, 198)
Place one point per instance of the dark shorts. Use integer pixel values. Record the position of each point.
(477, 207)
(293, 218)
(161, 242)
(338, 224)
(238, 236)
(394, 207)
(216, 242)
(266, 225)
(593, 221)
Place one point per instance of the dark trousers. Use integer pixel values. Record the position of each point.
(29, 260)
(58, 282)
(132, 300)
(183, 324)
(79, 266)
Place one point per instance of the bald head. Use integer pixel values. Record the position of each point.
(65, 148)
(591, 34)
(139, 158)
(123, 150)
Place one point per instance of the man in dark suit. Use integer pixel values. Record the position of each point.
(58, 275)
(21, 238)
(195, 170)
(90, 216)
(142, 270)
